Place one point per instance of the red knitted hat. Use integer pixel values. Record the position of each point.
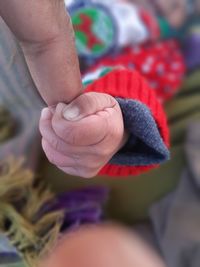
(130, 85)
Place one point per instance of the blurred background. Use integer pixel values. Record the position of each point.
(161, 40)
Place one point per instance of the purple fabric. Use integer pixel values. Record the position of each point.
(80, 206)
(8, 258)
(7, 252)
(192, 50)
(84, 206)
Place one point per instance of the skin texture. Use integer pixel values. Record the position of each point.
(102, 246)
(75, 144)
(82, 145)
(45, 34)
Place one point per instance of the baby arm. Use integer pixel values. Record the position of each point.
(80, 138)
(81, 141)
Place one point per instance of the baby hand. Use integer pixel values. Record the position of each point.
(80, 138)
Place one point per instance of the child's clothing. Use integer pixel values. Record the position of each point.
(191, 48)
(140, 100)
(161, 64)
(102, 28)
(143, 115)
(131, 39)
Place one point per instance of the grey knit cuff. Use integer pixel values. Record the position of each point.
(145, 145)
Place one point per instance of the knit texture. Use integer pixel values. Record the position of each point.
(131, 85)
(145, 145)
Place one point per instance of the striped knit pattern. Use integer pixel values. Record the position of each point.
(130, 84)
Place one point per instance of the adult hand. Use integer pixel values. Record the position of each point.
(45, 34)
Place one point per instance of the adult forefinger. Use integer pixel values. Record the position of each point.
(45, 33)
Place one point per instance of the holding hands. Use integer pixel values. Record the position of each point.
(80, 138)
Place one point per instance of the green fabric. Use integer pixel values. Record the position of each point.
(6, 125)
(131, 197)
(166, 31)
(191, 83)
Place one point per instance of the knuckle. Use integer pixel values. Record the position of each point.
(109, 100)
(92, 98)
(89, 100)
(66, 133)
(102, 152)
(84, 101)
(74, 136)
(55, 143)
(71, 137)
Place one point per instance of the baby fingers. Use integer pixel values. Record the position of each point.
(87, 131)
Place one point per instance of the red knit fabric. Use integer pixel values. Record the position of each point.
(131, 85)
(161, 64)
(151, 23)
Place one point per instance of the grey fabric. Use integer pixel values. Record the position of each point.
(19, 95)
(176, 218)
(7, 252)
(145, 145)
(5, 246)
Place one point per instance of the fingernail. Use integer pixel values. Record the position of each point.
(45, 114)
(71, 113)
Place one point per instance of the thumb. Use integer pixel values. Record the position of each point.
(87, 104)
